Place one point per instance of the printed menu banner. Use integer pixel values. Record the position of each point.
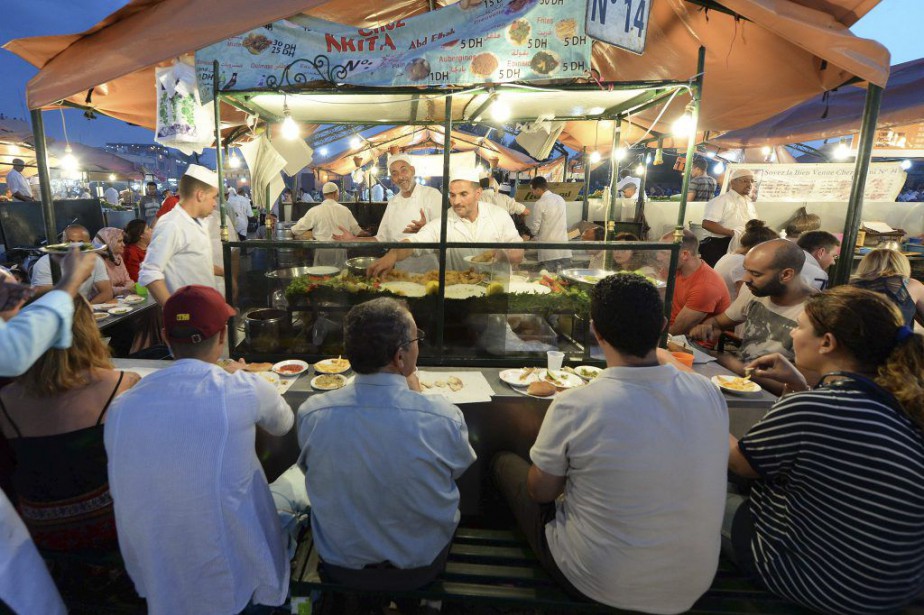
(472, 41)
(821, 182)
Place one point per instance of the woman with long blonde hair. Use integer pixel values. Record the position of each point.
(835, 519)
(53, 417)
(889, 272)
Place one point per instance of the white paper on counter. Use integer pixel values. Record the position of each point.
(699, 357)
(284, 383)
(475, 386)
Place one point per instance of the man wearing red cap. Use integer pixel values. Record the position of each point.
(197, 525)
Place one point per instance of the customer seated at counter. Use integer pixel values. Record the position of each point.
(381, 460)
(196, 521)
(835, 516)
(699, 292)
(96, 289)
(112, 239)
(469, 222)
(137, 237)
(623, 501)
(322, 221)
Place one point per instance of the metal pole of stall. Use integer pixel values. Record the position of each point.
(41, 163)
(219, 158)
(858, 186)
(585, 209)
(608, 225)
(441, 297)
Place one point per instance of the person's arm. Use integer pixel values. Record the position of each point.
(737, 462)
(691, 194)
(534, 220)
(686, 319)
(718, 229)
(710, 328)
(542, 486)
(158, 289)
(416, 225)
(274, 415)
(388, 262)
(160, 251)
(347, 235)
(104, 293)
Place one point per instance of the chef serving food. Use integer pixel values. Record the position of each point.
(470, 221)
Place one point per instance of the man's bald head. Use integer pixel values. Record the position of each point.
(76, 232)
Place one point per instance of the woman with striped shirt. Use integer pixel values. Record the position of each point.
(835, 519)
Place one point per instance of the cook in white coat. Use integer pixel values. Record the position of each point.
(322, 221)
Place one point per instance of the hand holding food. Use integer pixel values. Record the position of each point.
(777, 367)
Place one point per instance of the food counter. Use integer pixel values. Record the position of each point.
(509, 421)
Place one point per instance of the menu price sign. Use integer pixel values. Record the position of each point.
(621, 23)
(824, 182)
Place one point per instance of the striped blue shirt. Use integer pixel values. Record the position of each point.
(839, 514)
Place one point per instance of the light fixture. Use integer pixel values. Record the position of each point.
(640, 169)
(710, 154)
(620, 153)
(355, 143)
(905, 164)
(765, 150)
(594, 157)
(243, 180)
(112, 177)
(595, 110)
(647, 158)
(69, 161)
(500, 111)
(479, 169)
(322, 151)
(841, 151)
(290, 129)
(234, 162)
(684, 126)
(719, 168)
(374, 170)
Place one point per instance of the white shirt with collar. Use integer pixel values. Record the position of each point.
(812, 273)
(503, 201)
(400, 212)
(324, 221)
(548, 222)
(41, 276)
(492, 224)
(15, 182)
(180, 252)
(731, 210)
(197, 526)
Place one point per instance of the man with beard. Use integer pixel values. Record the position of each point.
(726, 215)
(771, 299)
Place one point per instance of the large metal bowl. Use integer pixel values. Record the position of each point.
(291, 273)
(359, 264)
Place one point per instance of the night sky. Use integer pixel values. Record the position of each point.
(895, 23)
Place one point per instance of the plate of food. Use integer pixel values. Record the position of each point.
(485, 259)
(100, 316)
(332, 366)
(328, 382)
(404, 289)
(465, 291)
(131, 299)
(122, 309)
(587, 372)
(322, 270)
(64, 248)
(560, 378)
(270, 377)
(520, 377)
(736, 385)
(291, 367)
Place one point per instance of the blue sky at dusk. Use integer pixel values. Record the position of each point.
(895, 23)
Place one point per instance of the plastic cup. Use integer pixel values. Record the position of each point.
(140, 290)
(555, 359)
(684, 357)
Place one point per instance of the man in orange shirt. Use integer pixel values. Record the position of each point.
(699, 292)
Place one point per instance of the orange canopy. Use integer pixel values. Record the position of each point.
(781, 53)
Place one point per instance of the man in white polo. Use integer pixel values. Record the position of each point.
(180, 253)
(406, 213)
(17, 184)
(727, 214)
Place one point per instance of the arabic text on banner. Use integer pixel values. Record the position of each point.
(472, 41)
(821, 182)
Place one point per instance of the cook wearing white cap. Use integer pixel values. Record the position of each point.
(468, 222)
(726, 216)
(414, 206)
(180, 252)
(322, 221)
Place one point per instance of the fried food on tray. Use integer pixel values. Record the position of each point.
(485, 257)
(739, 384)
(541, 388)
(469, 276)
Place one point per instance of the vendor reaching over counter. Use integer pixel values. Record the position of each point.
(400, 220)
(180, 253)
(469, 221)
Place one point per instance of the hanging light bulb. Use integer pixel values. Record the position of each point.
(620, 153)
(841, 151)
(594, 157)
(290, 129)
(374, 170)
(112, 177)
(684, 126)
(647, 158)
(905, 164)
(234, 162)
(500, 111)
(710, 154)
(640, 169)
(765, 150)
(355, 143)
(322, 151)
(719, 168)
(69, 161)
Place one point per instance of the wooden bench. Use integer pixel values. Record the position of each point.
(497, 567)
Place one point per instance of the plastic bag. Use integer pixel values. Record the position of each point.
(182, 121)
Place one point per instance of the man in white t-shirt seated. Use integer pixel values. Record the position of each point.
(624, 500)
(821, 250)
(768, 304)
(96, 289)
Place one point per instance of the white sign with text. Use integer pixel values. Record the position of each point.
(623, 23)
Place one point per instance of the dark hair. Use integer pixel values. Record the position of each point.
(700, 164)
(867, 325)
(189, 184)
(484, 182)
(373, 332)
(539, 182)
(755, 232)
(689, 242)
(801, 222)
(628, 313)
(639, 258)
(786, 255)
(151, 184)
(813, 240)
(134, 230)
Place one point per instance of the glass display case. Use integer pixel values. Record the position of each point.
(292, 297)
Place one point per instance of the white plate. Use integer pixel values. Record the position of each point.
(322, 270)
(102, 307)
(512, 377)
(133, 299)
(405, 289)
(473, 263)
(118, 311)
(528, 288)
(303, 367)
(100, 316)
(341, 379)
(522, 391)
(465, 291)
(720, 381)
(593, 371)
(563, 380)
(270, 377)
(64, 248)
(330, 366)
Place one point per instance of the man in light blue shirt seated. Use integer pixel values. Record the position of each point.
(381, 460)
(25, 334)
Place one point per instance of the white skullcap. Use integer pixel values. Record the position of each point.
(329, 187)
(741, 173)
(400, 158)
(629, 180)
(203, 175)
(463, 174)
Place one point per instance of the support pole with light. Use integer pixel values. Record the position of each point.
(585, 208)
(41, 163)
(608, 225)
(441, 296)
(219, 161)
